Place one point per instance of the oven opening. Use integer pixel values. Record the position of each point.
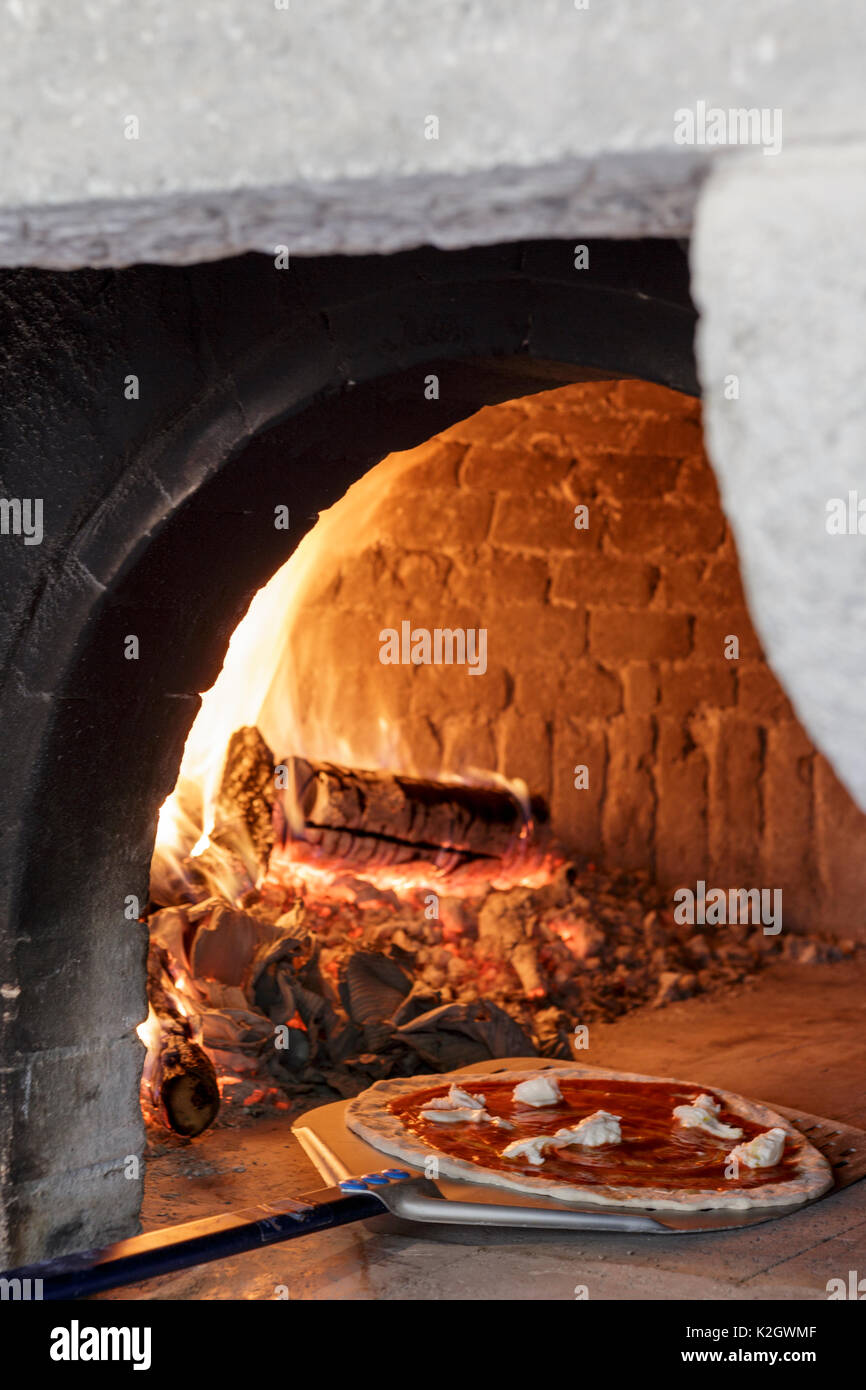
(494, 759)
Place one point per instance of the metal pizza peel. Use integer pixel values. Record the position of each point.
(342, 1157)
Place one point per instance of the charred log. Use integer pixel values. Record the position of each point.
(184, 1086)
(240, 843)
(181, 1077)
(365, 819)
(245, 800)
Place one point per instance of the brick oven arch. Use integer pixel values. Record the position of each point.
(256, 389)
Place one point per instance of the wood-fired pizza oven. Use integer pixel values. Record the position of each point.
(523, 596)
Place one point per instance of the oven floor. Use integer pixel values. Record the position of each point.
(796, 1036)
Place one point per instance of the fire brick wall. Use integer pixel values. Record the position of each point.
(608, 647)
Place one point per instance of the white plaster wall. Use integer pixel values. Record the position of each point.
(305, 126)
(779, 275)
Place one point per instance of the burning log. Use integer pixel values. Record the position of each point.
(371, 819)
(184, 1086)
(245, 800)
(241, 838)
(178, 1073)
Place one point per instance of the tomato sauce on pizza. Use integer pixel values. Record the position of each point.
(655, 1150)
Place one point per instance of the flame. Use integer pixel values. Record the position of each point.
(265, 681)
(149, 1030)
(255, 687)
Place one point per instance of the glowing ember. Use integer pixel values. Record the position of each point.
(291, 864)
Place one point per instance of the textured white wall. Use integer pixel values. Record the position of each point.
(779, 275)
(305, 126)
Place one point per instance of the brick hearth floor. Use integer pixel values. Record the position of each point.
(795, 1036)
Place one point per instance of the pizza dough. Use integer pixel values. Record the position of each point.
(660, 1164)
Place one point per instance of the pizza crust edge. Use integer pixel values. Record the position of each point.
(368, 1116)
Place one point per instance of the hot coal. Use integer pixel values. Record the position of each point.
(338, 983)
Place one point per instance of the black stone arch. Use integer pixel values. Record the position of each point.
(303, 401)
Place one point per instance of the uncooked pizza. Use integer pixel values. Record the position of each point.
(582, 1134)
